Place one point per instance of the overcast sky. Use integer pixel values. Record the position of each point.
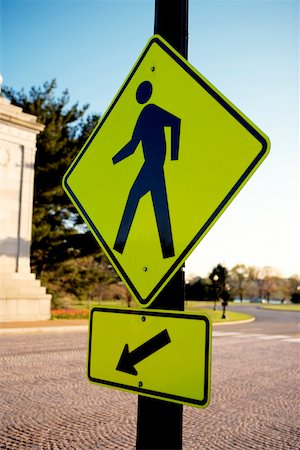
(248, 49)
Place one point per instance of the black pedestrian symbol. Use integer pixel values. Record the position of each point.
(149, 130)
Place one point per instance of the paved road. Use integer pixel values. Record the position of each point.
(267, 321)
(46, 402)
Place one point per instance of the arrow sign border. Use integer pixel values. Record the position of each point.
(148, 392)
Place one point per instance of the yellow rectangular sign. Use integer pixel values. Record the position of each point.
(160, 354)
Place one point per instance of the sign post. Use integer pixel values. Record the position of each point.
(159, 423)
(173, 153)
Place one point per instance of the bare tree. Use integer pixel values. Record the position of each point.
(238, 276)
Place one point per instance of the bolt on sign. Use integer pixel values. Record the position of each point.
(166, 159)
(160, 354)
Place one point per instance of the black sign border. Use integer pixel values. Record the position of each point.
(180, 259)
(151, 393)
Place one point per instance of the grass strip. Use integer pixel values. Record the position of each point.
(281, 307)
(216, 315)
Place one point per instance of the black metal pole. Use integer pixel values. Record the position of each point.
(159, 423)
(171, 22)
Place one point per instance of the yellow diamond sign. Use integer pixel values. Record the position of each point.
(166, 159)
(160, 354)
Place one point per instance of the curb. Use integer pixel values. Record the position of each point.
(237, 322)
(74, 328)
(33, 330)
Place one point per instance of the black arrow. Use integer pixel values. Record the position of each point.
(129, 359)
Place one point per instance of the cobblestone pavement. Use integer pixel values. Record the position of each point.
(47, 403)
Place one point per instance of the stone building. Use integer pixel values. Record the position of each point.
(21, 295)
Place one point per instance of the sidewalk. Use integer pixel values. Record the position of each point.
(44, 326)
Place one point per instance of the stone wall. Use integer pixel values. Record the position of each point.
(21, 295)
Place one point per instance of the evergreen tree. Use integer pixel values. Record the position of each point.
(58, 233)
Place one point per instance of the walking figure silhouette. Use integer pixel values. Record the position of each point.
(149, 130)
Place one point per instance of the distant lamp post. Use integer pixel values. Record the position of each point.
(240, 273)
(216, 290)
(225, 298)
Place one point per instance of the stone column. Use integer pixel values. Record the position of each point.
(21, 295)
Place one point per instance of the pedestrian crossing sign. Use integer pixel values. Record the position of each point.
(164, 162)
